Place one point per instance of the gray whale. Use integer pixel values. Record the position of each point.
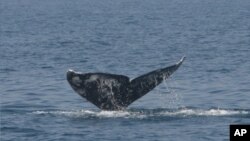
(116, 92)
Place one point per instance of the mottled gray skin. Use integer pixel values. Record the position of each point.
(116, 92)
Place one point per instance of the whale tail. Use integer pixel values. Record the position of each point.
(115, 92)
(147, 82)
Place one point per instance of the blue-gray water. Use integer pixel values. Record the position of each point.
(41, 40)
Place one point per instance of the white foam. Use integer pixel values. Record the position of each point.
(144, 113)
(113, 114)
(200, 112)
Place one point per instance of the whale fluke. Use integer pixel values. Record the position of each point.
(116, 92)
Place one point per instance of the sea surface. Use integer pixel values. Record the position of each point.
(41, 39)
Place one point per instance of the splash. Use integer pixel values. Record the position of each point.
(90, 114)
(147, 113)
(201, 112)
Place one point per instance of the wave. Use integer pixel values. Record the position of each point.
(148, 113)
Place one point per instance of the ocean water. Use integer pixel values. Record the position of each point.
(41, 40)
